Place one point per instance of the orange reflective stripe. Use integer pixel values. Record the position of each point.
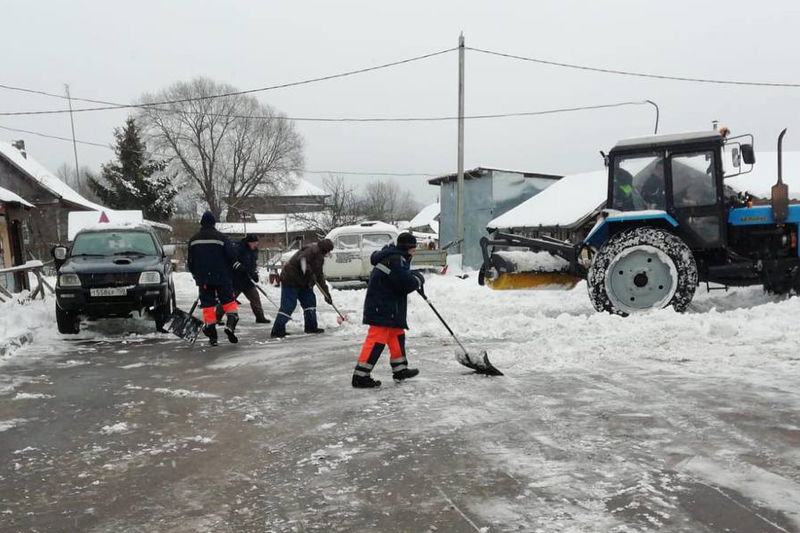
(210, 315)
(230, 307)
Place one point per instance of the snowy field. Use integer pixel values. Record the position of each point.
(661, 421)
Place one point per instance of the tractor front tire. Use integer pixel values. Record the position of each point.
(642, 269)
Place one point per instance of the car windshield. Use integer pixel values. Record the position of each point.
(114, 243)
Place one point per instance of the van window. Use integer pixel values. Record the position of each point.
(376, 240)
(347, 242)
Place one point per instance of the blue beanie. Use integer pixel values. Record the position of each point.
(208, 220)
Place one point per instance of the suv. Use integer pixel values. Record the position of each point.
(113, 272)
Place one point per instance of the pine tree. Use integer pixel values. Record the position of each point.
(134, 180)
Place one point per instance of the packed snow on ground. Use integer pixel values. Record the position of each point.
(740, 337)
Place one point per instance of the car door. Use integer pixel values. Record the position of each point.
(345, 261)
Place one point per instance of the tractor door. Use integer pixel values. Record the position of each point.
(695, 197)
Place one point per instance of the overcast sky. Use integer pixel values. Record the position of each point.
(116, 51)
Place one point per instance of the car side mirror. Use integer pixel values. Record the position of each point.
(748, 155)
(169, 250)
(59, 255)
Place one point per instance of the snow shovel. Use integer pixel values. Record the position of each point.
(184, 325)
(270, 300)
(480, 363)
(339, 319)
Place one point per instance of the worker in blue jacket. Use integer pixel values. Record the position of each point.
(211, 260)
(390, 283)
(246, 277)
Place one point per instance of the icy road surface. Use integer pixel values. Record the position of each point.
(660, 422)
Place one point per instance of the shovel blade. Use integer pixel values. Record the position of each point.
(185, 325)
(479, 363)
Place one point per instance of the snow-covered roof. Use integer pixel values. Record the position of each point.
(565, 203)
(299, 187)
(759, 182)
(304, 188)
(44, 177)
(10, 197)
(427, 217)
(478, 172)
(267, 225)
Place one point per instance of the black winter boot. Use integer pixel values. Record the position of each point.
(315, 330)
(365, 382)
(230, 327)
(404, 374)
(263, 320)
(210, 331)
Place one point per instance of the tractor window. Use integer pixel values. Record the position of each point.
(638, 183)
(693, 179)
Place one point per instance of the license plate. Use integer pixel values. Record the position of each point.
(109, 291)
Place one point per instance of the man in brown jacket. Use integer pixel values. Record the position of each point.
(298, 278)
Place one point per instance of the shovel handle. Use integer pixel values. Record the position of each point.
(194, 306)
(422, 293)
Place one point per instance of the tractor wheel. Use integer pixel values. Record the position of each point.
(642, 269)
(68, 322)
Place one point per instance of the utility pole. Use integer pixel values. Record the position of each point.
(460, 178)
(74, 144)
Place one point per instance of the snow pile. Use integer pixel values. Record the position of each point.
(36, 318)
(534, 261)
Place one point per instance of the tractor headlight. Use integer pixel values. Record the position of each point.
(150, 278)
(69, 280)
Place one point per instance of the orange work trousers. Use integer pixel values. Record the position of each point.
(377, 338)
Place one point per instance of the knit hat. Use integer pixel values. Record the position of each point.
(208, 220)
(406, 241)
(250, 238)
(325, 245)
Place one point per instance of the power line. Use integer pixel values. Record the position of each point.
(636, 74)
(113, 106)
(108, 147)
(441, 118)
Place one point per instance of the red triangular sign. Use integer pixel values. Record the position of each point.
(103, 217)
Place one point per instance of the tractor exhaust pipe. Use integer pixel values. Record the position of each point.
(780, 191)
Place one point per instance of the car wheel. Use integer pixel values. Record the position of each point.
(163, 312)
(68, 322)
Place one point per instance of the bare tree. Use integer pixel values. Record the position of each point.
(66, 173)
(228, 148)
(342, 208)
(387, 201)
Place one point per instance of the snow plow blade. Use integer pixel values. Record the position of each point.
(184, 325)
(548, 281)
(479, 363)
(532, 264)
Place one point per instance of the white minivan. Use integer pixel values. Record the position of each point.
(352, 248)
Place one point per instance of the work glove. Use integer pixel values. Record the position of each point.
(328, 299)
(237, 266)
(420, 278)
(254, 277)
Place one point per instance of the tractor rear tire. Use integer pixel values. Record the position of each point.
(642, 269)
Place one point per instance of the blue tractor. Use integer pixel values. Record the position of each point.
(670, 222)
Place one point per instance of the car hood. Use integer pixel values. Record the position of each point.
(110, 264)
